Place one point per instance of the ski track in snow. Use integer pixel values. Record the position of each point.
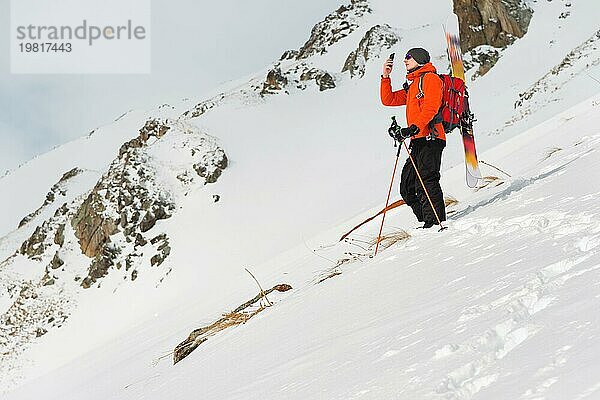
(534, 296)
(578, 232)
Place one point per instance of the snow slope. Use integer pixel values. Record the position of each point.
(500, 305)
(302, 163)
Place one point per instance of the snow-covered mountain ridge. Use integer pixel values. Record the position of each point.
(157, 215)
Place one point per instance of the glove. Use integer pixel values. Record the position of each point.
(405, 133)
(394, 131)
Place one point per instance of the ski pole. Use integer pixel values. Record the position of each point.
(442, 227)
(387, 200)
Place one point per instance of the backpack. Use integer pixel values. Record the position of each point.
(455, 103)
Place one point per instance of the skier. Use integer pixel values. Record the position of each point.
(423, 98)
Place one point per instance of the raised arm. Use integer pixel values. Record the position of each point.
(390, 98)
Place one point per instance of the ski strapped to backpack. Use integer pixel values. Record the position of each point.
(454, 109)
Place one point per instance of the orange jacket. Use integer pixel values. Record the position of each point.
(419, 111)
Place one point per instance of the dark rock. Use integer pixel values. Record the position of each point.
(100, 265)
(148, 222)
(204, 106)
(70, 174)
(494, 23)
(157, 259)
(163, 248)
(91, 227)
(132, 144)
(158, 238)
(59, 236)
(63, 210)
(486, 57)
(325, 81)
(212, 165)
(154, 128)
(48, 282)
(35, 246)
(128, 262)
(333, 28)
(275, 82)
(56, 262)
(322, 78)
(140, 241)
(289, 55)
(25, 220)
(50, 198)
(57, 188)
(40, 332)
(376, 40)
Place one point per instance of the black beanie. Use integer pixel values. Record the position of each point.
(421, 56)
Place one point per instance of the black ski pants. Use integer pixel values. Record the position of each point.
(427, 154)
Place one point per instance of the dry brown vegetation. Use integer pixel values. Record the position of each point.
(236, 317)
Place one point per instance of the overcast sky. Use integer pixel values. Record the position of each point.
(196, 45)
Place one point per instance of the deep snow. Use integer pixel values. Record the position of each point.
(498, 306)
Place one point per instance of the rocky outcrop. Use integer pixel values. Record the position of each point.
(298, 75)
(483, 57)
(153, 128)
(31, 315)
(91, 226)
(56, 191)
(333, 28)
(274, 82)
(125, 200)
(35, 245)
(59, 236)
(163, 250)
(376, 40)
(549, 89)
(128, 202)
(204, 106)
(584, 53)
(56, 262)
(100, 264)
(322, 78)
(211, 165)
(284, 75)
(289, 55)
(116, 219)
(490, 23)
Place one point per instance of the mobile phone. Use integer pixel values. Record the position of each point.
(392, 56)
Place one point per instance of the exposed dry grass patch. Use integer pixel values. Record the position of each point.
(391, 239)
(236, 317)
(450, 201)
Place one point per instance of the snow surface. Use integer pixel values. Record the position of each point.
(500, 305)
